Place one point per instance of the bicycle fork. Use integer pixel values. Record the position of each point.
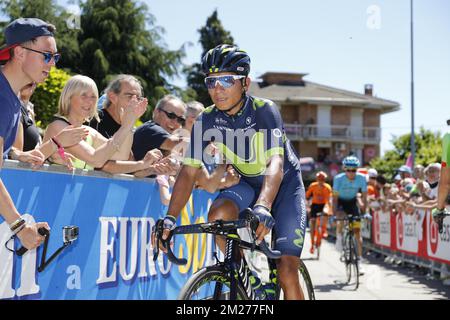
(238, 273)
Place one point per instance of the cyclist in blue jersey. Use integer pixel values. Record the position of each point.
(249, 134)
(346, 187)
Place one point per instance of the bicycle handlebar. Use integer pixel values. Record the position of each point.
(218, 227)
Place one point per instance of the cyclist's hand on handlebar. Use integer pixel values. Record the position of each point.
(266, 221)
(169, 223)
(29, 236)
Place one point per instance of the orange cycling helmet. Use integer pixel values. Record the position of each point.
(321, 175)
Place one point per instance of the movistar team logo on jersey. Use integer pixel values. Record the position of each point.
(301, 238)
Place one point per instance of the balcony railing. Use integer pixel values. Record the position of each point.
(297, 132)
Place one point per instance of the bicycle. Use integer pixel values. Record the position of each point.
(350, 249)
(222, 281)
(439, 216)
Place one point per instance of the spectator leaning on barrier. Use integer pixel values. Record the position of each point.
(119, 92)
(78, 104)
(28, 136)
(193, 110)
(168, 116)
(30, 52)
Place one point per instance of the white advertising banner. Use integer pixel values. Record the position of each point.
(382, 228)
(408, 228)
(438, 244)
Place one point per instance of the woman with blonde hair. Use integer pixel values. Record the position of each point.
(77, 105)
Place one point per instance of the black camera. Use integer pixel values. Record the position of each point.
(70, 233)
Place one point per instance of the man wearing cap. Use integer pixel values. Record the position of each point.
(405, 172)
(28, 56)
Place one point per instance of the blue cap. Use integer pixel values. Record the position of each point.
(405, 168)
(101, 101)
(22, 30)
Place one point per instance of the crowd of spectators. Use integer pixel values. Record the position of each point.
(410, 189)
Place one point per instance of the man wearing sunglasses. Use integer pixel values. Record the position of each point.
(158, 133)
(249, 133)
(346, 187)
(30, 53)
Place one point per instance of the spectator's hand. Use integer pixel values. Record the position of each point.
(152, 157)
(71, 135)
(29, 236)
(165, 166)
(133, 111)
(34, 157)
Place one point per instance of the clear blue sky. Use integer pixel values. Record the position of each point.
(343, 43)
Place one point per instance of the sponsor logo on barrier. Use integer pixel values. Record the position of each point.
(11, 265)
(400, 228)
(433, 232)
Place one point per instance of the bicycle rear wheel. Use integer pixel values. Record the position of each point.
(210, 283)
(305, 284)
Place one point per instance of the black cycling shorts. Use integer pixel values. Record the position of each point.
(315, 209)
(348, 206)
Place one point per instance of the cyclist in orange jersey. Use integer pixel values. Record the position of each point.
(321, 193)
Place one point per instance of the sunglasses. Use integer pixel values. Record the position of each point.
(225, 81)
(173, 116)
(350, 170)
(47, 55)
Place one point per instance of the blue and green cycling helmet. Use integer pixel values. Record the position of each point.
(350, 162)
(226, 58)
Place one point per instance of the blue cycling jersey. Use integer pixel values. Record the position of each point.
(348, 189)
(247, 139)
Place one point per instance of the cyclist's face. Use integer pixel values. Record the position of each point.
(350, 173)
(224, 98)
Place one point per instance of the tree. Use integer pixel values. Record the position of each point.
(428, 150)
(120, 36)
(211, 35)
(46, 96)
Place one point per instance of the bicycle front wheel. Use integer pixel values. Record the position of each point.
(351, 263)
(210, 283)
(304, 281)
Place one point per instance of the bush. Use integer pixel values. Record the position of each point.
(46, 96)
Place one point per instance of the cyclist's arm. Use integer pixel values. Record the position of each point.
(210, 182)
(272, 181)
(443, 187)
(182, 190)
(444, 179)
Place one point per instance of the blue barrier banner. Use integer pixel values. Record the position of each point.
(112, 257)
